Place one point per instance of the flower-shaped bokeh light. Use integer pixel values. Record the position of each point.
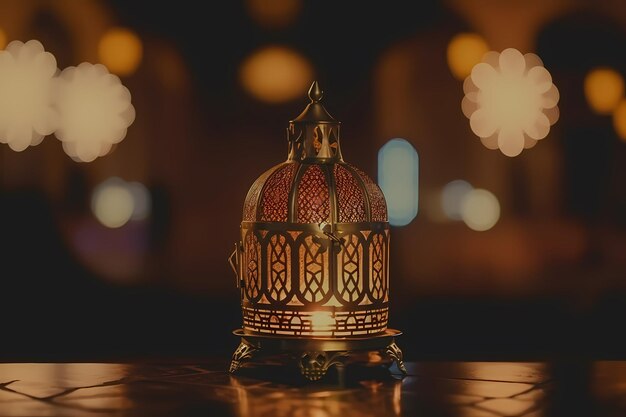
(26, 108)
(95, 110)
(510, 101)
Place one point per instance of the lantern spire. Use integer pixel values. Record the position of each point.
(315, 92)
(314, 135)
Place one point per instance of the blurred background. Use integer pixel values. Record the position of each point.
(125, 256)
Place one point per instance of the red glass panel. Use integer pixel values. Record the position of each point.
(313, 200)
(275, 198)
(378, 206)
(350, 197)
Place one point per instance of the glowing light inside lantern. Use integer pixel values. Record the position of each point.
(276, 74)
(322, 321)
(398, 177)
(464, 51)
(510, 99)
(604, 88)
(120, 50)
(480, 210)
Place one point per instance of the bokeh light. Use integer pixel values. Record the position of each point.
(480, 210)
(141, 199)
(3, 39)
(274, 14)
(112, 203)
(619, 120)
(276, 74)
(120, 50)
(510, 100)
(452, 197)
(464, 51)
(604, 89)
(26, 106)
(95, 111)
(398, 177)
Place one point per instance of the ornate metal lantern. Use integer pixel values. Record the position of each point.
(313, 261)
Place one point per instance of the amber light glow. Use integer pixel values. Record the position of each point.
(274, 14)
(604, 89)
(619, 120)
(464, 51)
(276, 74)
(120, 50)
(3, 39)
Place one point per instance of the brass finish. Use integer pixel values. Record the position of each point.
(312, 265)
(307, 350)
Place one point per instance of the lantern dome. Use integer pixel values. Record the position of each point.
(314, 193)
(314, 252)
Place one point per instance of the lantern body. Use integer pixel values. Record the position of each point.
(315, 252)
(312, 264)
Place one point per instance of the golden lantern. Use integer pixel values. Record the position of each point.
(313, 261)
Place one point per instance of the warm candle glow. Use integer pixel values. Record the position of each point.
(322, 321)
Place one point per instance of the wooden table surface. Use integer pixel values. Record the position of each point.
(465, 389)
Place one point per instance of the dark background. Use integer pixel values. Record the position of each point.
(548, 280)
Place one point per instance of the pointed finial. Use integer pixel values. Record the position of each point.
(315, 92)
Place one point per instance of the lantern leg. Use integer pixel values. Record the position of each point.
(243, 352)
(394, 352)
(315, 364)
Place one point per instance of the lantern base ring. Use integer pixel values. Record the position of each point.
(316, 355)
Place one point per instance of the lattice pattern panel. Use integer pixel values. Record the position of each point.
(279, 268)
(314, 282)
(378, 283)
(275, 197)
(290, 274)
(252, 198)
(302, 323)
(378, 206)
(252, 261)
(350, 270)
(350, 197)
(313, 198)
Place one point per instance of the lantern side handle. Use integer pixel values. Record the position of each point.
(235, 262)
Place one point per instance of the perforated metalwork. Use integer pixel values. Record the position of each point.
(313, 199)
(378, 206)
(275, 197)
(313, 270)
(350, 200)
(252, 198)
(279, 267)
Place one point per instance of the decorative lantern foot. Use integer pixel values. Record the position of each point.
(316, 356)
(393, 351)
(314, 365)
(243, 352)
